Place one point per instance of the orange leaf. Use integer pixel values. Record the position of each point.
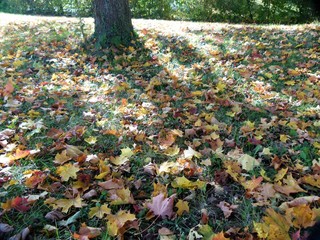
(8, 89)
(220, 236)
(20, 154)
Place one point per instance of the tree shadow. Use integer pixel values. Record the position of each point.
(203, 86)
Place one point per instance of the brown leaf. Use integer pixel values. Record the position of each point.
(54, 215)
(227, 208)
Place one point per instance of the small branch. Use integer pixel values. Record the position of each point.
(147, 227)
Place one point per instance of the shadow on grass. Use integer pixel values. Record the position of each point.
(133, 96)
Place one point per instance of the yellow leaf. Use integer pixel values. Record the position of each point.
(168, 167)
(126, 153)
(313, 180)
(263, 174)
(197, 93)
(316, 145)
(17, 63)
(117, 221)
(290, 83)
(183, 206)
(100, 211)
(91, 140)
(230, 114)
(191, 153)
(293, 72)
(65, 204)
(266, 151)
(247, 162)
(214, 136)
(62, 158)
(268, 75)
(252, 184)
(182, 182)
(67, 171)
(278, 225)
(281, 173)
(198, 123)
(172, 151)
(120, 196)
(131, 49)
(262, 229)
(303, 216)
(283, 137)
(221, 86)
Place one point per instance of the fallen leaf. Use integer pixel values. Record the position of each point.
(227, 208)
(183, 206)
(67, 171)
(86, 232)
(99, 211)
(183, 182)
(161, 206)
(62, 158)
(116, 222)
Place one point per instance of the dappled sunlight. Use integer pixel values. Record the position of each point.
(196, 128)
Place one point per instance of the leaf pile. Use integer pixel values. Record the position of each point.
(203, 133)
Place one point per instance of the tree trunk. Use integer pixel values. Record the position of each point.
(113, 24)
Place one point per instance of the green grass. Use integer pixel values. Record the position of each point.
(217, 96)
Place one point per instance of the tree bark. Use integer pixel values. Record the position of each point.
(113, 24)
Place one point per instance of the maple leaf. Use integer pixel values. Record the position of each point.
(250, 185)
(62, 158)
(299, 201)
(55, 133)
(121, 196)
(21, 204)
(275, 226)
(183, 182)
(99, 211)
(166, 139)
(227, 208)
(302, 216)
(8, 89)
(183, 206)
(113, 183)
(124, 157)
(247, 162)
(86, 232)
(67, 171)
(73, 151)
(189, 153)
(65, 203)
(290, 186)
(172, 151)
(116, 222)
(36, 178)
(20, 154)
(161, 206)
(219, 236)
(91, 140)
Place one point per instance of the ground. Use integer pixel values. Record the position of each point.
(195, 131)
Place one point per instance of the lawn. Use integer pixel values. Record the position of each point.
(195, 131)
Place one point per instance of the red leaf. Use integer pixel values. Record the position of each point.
(21, 204)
